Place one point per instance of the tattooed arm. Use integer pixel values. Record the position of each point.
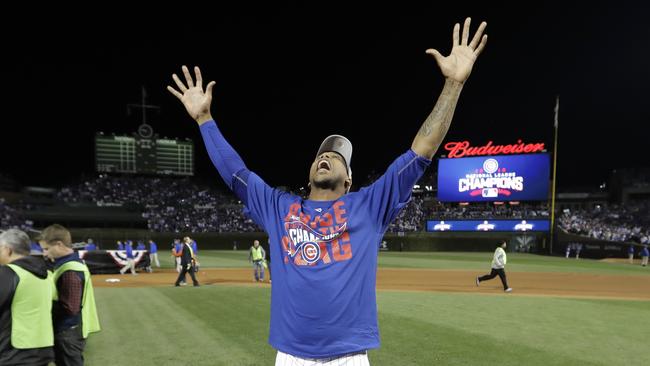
(456, 68)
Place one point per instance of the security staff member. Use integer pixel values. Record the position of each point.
(26, 293)
(74, 311)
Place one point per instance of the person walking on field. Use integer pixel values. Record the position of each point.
(187, 264)
(498, 267)
(257, 256)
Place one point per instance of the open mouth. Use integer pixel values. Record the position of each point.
(324, 165)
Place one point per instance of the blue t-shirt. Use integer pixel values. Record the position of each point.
(141, 247)
(120, 246)
(129, 251)
(153, 248)
(35, 248)
(324, 260)
(645, 252)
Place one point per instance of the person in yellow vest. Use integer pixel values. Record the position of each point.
(257, 256)
(74, 312)
(26, 293)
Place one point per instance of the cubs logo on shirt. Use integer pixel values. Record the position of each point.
(305, 241)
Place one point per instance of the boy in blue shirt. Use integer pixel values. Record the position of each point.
(324, 249)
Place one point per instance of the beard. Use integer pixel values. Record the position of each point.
(329, 183)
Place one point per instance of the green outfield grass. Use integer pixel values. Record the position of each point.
(517, 262)
(228, 325)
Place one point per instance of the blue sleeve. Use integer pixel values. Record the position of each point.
(392, 191)
(263, 205)
(230, 165)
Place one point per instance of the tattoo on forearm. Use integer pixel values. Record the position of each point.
(443, 111)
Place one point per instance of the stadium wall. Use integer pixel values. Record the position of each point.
(460, 241)
(591, 247)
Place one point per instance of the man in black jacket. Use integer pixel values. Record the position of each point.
(187, 263)
(26, 294)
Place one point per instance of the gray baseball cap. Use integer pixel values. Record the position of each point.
(338, 144)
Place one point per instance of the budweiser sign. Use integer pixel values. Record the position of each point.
(459, 149)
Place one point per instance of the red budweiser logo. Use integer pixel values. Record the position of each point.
(460, 149)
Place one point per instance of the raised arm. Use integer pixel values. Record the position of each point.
(230, 165)
(456, 68)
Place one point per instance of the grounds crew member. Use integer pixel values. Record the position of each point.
(257, 256)
(74, 312)
(26, 292)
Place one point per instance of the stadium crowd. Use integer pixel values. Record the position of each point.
(180, 205)
(168, 204)
(629, 223)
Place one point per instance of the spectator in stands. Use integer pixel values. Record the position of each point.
(74, 312)
(26, 293)
(644, 255)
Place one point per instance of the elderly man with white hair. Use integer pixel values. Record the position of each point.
(26, 294)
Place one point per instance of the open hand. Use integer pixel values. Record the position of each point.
(196, 101)
(458, 65)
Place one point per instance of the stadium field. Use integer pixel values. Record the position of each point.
(562, 312)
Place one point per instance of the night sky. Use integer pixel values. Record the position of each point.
(287, 78)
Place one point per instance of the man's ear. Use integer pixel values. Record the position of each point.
(348, 184)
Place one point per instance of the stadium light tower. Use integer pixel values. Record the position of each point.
(144, 130)
(555, 128)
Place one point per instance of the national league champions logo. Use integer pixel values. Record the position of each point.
(491, 181)
(306, 241)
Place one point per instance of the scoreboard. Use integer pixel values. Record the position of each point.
(174, 157)
(137, 155)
